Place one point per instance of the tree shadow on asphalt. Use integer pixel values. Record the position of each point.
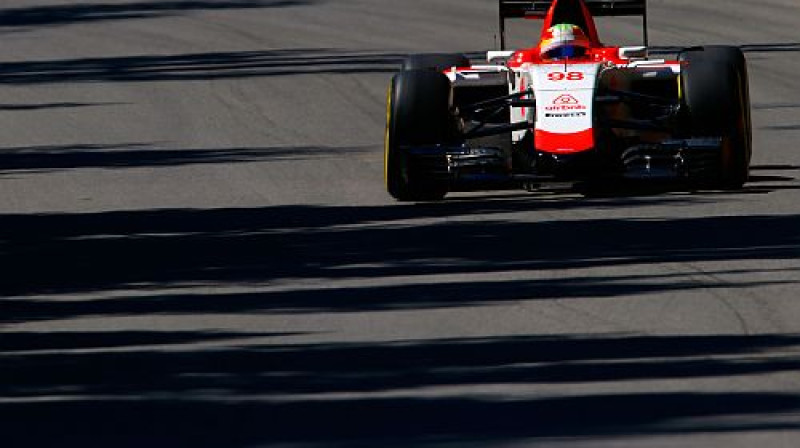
(63, 342)
(44, 159)
(107, 388)
(199, 66)
(776, 106)
(784, 127)
(151, 250)
(229, 65)
(68, 14)
(773, 47)
(378, 393)
(20, 107)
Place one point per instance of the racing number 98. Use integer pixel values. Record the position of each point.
(569, 76)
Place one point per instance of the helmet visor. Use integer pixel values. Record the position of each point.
(566, 51)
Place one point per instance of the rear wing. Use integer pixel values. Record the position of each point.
(539, 9)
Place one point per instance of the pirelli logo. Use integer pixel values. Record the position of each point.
(565, 115)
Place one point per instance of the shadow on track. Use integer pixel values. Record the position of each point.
(41, 106)
(42, 159)
(14, 343)
(777, 47)
(69, 14)
(774, 106)
(299, 394)
(199, 66)
(786, 127)
(230, 65)
(64, 253)
(771, 47)
(775, 168)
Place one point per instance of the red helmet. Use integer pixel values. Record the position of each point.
(563, 41)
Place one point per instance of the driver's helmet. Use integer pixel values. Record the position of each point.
(564, 41)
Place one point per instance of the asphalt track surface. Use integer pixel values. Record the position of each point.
(197, 249)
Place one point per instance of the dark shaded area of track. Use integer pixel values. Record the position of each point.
(224, 382)
(44, 159)
(60, 254)
(69, 14)
(204, 66)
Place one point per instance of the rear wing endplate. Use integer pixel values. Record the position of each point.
(537, 9)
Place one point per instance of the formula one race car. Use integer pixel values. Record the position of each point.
(567, 110)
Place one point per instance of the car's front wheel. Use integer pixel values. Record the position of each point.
(715, 96)
(418, 117)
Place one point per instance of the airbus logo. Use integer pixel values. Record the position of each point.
(565, 99)
(565, 102)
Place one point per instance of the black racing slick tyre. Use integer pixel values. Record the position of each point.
(716, 99)
(437, 62)
(418, 116)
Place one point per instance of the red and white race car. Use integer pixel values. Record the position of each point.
(568, 109)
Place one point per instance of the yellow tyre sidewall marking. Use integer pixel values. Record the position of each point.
(386, 136)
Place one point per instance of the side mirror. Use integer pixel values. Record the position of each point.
(499, 56)
(633, 53)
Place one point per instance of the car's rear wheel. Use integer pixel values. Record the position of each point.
(418, 119)
(715, 96)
